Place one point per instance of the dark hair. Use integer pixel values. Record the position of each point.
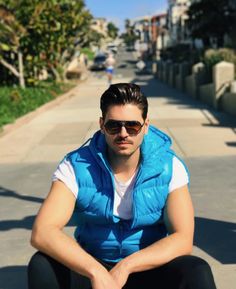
(121, 94)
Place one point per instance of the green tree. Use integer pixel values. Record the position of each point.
(112, 30)
(210, 19)
(129, 36)
(52, 31)
(11, 32)
(56, 29)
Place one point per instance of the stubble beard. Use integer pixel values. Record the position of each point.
(122, 153)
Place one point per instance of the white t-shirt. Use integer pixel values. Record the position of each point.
(123, 191)
(110, 62)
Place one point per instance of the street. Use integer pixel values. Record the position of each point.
(206, 139)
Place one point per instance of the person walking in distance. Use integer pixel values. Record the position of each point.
(129, 194)
(110, 63)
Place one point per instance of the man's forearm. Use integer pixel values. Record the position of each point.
(55, 243)
(159, 253)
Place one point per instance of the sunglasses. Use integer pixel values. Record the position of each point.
(132, 127)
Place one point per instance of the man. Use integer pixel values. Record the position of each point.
(134, 213)
(110, 63)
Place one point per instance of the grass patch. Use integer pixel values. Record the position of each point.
(16, 102)
(88, 52)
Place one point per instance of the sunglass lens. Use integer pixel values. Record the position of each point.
(133, 127)
(113, 127)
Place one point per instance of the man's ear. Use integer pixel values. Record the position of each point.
(101, 123)
(146, 124)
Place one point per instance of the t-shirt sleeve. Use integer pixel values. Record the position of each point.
(179, 175)
(65, 173)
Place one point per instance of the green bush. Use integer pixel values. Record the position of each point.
(214, 56)
(88, 52)
(181, 53)
(16, 102)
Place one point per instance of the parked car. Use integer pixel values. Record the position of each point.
(99, 62)
(111, 47)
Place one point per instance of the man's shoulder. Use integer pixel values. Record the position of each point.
(79, 154)
(156, 144)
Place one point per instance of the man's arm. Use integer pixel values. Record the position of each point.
(179, 219)
(48, 237)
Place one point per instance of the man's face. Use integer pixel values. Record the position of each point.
(122, 143)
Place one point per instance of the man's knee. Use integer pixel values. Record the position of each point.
(189, 263)
(37, 261)
(45, 272)
(36, 267)
(196, 272)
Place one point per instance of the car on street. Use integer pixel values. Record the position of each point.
(111, 47)
(99, 62)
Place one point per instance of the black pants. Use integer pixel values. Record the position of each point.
(185, 272)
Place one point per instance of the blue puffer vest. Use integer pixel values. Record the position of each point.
(99, 232)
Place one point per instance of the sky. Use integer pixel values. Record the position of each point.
(117, 11)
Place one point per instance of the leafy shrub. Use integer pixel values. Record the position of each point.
(88, 52)
(181, 53)
(15, 102)
(214, 56)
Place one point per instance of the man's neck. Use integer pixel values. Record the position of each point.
(124, 166)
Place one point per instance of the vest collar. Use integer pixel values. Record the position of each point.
(155, 144)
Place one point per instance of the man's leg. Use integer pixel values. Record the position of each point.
(109, 75)
(185, 272)
(46, 273)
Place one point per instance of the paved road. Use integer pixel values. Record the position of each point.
(205, 139)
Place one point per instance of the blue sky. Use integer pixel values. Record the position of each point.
(119, 10)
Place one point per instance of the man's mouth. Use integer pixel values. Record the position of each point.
(121, 142)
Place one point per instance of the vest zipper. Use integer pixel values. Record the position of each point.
(134, 196)
(105, 167)
(121, 229)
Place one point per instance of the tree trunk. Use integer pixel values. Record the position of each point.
(21, 70)
(20, 74)
(56, 74)
(64, 75)
(10, 67)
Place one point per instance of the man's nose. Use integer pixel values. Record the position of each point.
(123, 132)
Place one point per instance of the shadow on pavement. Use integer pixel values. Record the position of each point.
(13, 277)
(225, 120)
(131, 61)
(25, 223)
(216, 238)
(11, 194)
(231, 143)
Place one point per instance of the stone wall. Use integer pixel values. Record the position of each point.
(195, 82)
(207, 93)
(197, 78)
(228, 103)
(223, 75)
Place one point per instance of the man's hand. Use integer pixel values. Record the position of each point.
(120, 273)
(104, 280)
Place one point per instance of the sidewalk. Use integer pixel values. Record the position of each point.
(205, 139)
